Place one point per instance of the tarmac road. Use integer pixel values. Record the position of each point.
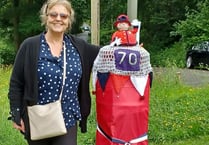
(194, 77)
(191, 77)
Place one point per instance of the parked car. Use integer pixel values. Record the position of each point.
(198, 55)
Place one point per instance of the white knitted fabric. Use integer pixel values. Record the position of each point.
(106, 60)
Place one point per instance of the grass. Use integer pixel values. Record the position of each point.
(8, 135)
(178, 113)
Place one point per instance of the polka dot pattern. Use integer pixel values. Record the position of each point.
(50, 73)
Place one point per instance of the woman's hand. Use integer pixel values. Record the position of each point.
(20, 127)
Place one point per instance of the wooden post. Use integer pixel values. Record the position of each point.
(95, 22)
(132, 10)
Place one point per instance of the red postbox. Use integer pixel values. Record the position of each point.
(122, 86)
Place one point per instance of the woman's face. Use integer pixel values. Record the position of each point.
(57, 19)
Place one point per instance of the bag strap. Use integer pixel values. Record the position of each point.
(64, 71)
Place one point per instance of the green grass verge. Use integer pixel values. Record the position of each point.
(8, 135)
(178, 113)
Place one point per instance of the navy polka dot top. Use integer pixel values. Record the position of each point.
(50, 73)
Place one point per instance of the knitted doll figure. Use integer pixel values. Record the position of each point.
(125, 34)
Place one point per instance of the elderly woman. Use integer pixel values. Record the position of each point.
(38, 70)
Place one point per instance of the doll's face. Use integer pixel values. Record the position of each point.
(122, 26)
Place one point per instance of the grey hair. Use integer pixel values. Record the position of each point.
(49, 4)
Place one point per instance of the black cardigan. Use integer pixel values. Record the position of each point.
(23, 89)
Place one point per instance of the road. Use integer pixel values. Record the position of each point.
(191, 77)
(195, 77)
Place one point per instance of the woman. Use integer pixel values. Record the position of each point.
(37, 74)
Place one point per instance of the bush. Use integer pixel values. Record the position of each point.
(7, 54)
(174, 56)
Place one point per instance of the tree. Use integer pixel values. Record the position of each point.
(158, 18)
(18, 19)
(195, 28)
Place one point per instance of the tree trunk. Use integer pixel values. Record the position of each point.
(16, 24)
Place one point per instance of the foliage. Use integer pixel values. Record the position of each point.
(106, 36)
(108, 13)
(170, 57)
(7, 54)
(195, 28)
(191, 30)
(31, 22)
(157, 19)
(82, 10)
(163, 24)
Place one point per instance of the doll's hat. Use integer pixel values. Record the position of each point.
(122, 18)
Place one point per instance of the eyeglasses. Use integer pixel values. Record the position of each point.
(54, 15)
